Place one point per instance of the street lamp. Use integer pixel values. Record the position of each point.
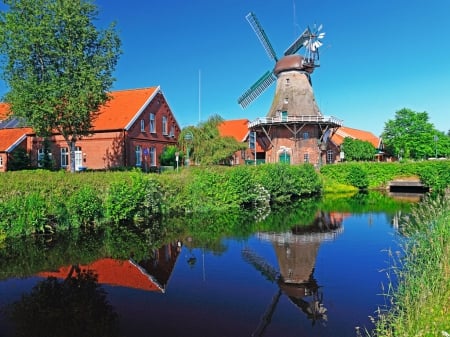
(188, 137)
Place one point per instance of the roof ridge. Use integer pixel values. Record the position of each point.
(134, 89)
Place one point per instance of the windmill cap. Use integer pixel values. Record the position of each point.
(291, 62)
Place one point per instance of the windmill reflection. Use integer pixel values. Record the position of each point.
(296, 253)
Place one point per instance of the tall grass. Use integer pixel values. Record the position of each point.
(421, 302)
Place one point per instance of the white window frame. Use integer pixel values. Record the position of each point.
(164, 125)
(172, 131)
(138, 152)
(64, 156)
(306, 157)
(330, 156)
(152, 123)
(78, 158)
(152, 156)
(142, 125)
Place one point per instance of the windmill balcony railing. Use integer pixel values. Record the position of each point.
(296, 119)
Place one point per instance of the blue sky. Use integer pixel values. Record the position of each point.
(378, 56)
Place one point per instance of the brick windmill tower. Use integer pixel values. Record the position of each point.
(294, 129)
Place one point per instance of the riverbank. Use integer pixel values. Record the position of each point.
(421, 302)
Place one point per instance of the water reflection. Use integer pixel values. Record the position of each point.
(296, 251)
(137, 281)
(65, 307)
(150, 274)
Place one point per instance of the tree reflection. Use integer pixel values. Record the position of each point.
(75, 306)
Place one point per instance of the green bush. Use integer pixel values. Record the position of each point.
(284, 182)
(358, 177)
(85, 207)
(136, 198)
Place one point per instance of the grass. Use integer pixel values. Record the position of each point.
(420, 305)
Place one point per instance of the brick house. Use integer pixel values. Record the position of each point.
(131, 130)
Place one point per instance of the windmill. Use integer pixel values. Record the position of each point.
(310, 39)
(294, 129)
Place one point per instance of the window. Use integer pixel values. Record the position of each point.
(138, 151)
(43, 158)
(329, 156)
(1, 161)
(40, 157)
(78, 158)
(142, 125)
(306, 157)
(152, 123)
(152, 156)
(305, 135)
(172, 131)
(64, 157)
(164, 125)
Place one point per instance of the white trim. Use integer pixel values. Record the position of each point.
(16, 143)
(142, 108)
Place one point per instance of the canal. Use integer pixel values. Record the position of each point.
(315, 268)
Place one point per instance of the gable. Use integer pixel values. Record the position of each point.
(123, 108)
(10, 138)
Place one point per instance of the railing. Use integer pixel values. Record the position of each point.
(295, 119)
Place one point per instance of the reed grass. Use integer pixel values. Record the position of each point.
(420, 304)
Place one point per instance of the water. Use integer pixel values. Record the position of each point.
(320, 279)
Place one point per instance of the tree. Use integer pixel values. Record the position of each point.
(357, 150)
(206, 146)
(169, 156)
(57, 64)
(410, 135)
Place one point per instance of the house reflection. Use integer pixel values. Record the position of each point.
(296, 252)
(151, 274)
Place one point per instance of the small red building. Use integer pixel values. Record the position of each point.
(131, 130)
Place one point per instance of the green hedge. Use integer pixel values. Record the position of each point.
(42, 201)
(434, 174)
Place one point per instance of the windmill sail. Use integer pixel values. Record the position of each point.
(259, 31)
(297, 44)
(257, 89)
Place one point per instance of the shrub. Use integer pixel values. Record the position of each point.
(85, 206)
(131, 200)
(358, 177)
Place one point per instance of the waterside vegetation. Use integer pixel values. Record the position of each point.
(420, 304)
(39, 201)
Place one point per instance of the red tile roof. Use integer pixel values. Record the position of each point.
(123, 108)
(4, 111)
(237, 129)
(344, 131)
(114, 272)
(11, 137)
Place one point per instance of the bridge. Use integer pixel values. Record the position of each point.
(407, 184)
